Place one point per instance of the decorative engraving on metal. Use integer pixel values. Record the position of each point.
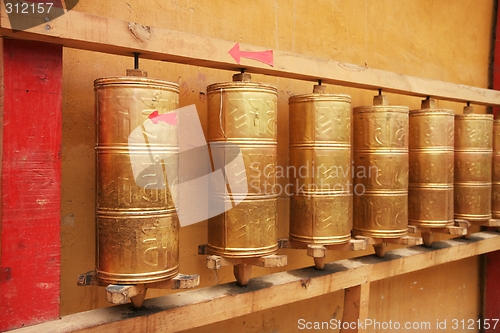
(473, 166)
(380, 150)
(430, 188)
(320, 162)
(244, 113)
(137, 225)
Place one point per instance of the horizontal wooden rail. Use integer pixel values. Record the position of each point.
(103, 34)
(205, 306)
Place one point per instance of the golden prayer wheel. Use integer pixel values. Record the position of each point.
(473, 165)
(430, 188)
(244, 113)
(137, 225)
(320, 144)
(380, 152)
(495, 186)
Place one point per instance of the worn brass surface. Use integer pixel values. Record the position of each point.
(320, 161)
(430, 185)
(137, 227)
(473, 166)
(380, 150)
(495, 175)
(244, 113)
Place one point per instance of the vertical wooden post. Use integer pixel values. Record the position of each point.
(30, 182)
(492, 279)
(356, 304)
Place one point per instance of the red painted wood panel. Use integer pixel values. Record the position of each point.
(31, 179)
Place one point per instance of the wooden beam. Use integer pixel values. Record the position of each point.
(103, 34)
(205, 306)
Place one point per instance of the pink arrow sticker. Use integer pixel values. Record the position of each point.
(262, 56)
(169, 118)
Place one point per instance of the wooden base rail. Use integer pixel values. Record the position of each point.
(103, 34)
(208, 305)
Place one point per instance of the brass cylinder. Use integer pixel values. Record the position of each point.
(320, 168)
(137, 226)
(473, 166)
(495, 175)
(430, 184)
(380, 149)
(244, 113)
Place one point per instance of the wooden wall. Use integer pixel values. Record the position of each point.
(445, 40)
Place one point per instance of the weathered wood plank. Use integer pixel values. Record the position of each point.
(103, 34)
(204, 306)
(30, 182)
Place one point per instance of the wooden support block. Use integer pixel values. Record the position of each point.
(453, 230)
(181, 281)
(352, 245)
(216, 262)
(406, 240)
(357, 245)
(356, 304)
(369, 240)
(316, 251)
(493, 223)
(274, 260)
(121, 294)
